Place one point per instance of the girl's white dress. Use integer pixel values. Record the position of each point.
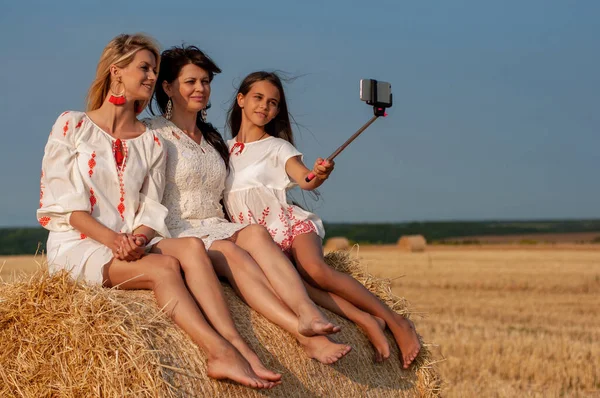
(195, 183)
(255, 190)
(80, 173)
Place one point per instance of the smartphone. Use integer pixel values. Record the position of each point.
(376, 93)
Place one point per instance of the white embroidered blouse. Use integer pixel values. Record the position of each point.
(80, 173)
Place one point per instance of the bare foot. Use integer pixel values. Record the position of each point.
(373, 328)
(406, 338)
(228, 363)
(323, 350)
(316, 326)
(255, 362)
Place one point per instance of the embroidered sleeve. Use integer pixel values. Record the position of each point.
(62, 187)
(151, 212)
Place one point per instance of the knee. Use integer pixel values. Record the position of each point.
(165, 268)
(258, 232)
(193, 245)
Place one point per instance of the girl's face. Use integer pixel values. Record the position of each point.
(261, 104)
(138, 77)
(191, 90)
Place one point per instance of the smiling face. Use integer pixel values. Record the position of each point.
(190, 91)
(261, 104)
(138, 77)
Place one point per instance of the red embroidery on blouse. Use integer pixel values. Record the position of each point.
(64, 113)
(241, 217)
(82, 236)
(79, 124)
(92, 200)
(156, 140)
(176, 135)
(44, 221)
(120, 172)
(235, 147)
(92, 164)
(41, 189)
(65, 128)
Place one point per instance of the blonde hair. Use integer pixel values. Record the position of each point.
(120, 52)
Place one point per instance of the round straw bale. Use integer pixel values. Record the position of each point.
(412, 243)
(60, 338)
(337, 243)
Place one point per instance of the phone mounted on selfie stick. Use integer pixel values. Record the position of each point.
(375, 93)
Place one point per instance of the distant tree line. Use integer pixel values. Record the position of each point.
(26, 240)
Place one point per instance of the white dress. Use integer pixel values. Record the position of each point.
(255, 190)
(79, 173)
(195, 183)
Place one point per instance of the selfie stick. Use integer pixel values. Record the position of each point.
(378, 110)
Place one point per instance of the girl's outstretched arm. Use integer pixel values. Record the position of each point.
(298, 171)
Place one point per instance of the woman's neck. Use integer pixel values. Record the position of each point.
(185, 121)
(118, 121)
(250, 132)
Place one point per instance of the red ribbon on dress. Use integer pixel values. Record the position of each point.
(118, 149)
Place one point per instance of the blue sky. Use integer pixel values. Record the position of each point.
(495, 110)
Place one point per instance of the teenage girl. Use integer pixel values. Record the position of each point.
(264, 164)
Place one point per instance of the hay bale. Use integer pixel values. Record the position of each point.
(65, 339)
(336, 243)
(412, 243)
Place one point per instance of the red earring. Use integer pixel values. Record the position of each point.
(117, 98)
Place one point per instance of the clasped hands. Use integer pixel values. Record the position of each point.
(129, 247)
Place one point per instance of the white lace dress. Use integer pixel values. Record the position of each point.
(195, 183)
(255, 191)
(79, 173)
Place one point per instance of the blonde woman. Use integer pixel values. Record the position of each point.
(102, 183)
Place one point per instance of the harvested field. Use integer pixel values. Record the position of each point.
(509, 323)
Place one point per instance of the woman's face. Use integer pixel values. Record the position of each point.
(191, 90)
(139, 76)
(261, 104)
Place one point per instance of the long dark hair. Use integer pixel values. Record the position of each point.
(172, 61)
(280, 126)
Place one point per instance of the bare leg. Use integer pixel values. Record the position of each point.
(162, 275)
(205, 287)
(372, 326)
(251, 284)
(285, 280)
(308, 252)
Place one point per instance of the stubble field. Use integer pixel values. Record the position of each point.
(508, 322)
(511, 322)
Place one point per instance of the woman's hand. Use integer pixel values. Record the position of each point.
(129, 247)
(323, 168)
